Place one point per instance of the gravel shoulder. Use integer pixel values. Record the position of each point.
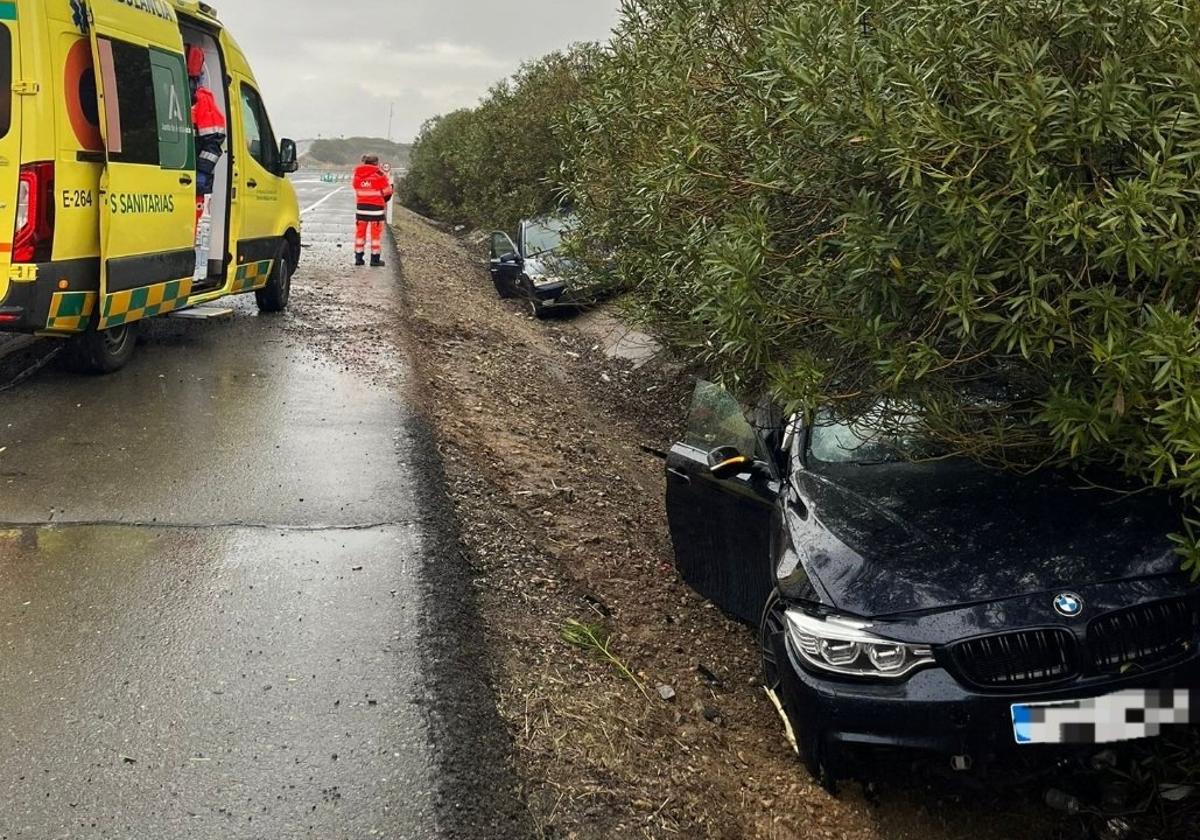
(562, 519)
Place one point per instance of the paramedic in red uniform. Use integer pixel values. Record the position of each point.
(373, 191)
(210, 127)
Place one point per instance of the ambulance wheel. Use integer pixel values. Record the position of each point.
(274, 296)
(100, 352)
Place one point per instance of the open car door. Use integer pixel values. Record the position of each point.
(505, 265)
(147, 192)
(721, 529)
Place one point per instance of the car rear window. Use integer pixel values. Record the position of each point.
(6, 80)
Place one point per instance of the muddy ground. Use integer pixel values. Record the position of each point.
(562, 519)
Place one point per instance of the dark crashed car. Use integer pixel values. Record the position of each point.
(936, 605)
(533, 268)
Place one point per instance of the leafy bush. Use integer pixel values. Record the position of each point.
(433, 185)
(492, 165)
(988, 208)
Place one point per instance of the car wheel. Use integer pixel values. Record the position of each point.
(536, 308)
(102, 352)
(274, 296)
(772, 646)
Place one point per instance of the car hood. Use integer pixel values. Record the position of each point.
(897, 538)
(550, 265)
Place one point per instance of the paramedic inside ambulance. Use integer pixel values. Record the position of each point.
(210, 126)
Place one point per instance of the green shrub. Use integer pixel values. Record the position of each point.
(433, 184)
(848, 199)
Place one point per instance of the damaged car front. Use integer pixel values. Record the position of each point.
(933, 604)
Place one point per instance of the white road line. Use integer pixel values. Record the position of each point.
(322, 201)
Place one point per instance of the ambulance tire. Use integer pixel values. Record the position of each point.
(274, 296)
(101, 352)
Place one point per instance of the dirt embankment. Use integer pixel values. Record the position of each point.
(562, 514)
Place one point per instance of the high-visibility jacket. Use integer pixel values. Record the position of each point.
(210, 134)
(208, 120)
(372, 191)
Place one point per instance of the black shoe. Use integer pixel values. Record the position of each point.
(377, 262)
(359, 259)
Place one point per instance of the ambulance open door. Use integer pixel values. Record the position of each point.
(147, 192)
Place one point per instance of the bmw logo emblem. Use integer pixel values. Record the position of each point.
(1068, 605)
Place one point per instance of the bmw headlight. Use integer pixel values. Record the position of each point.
(843, 646)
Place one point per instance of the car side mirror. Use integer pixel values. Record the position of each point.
(289, 158)
(726, 462)
(511, 259)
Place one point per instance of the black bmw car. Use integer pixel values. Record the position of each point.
(934, 605)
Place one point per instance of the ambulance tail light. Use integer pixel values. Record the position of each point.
(33, 239)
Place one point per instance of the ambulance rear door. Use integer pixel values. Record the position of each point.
(148, 198)
(10, 153)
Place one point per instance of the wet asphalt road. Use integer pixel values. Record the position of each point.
(211, 588)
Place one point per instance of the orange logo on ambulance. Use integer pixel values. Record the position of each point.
(80, 84)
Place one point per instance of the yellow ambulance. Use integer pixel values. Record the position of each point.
(98, 227)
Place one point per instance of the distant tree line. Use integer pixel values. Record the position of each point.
(348, 151)
(492, 165)
(984, 212)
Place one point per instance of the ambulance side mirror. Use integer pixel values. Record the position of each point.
(289, 160)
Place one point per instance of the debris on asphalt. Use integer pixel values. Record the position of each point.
(666, 692)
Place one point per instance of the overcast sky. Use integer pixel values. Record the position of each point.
(333, 67)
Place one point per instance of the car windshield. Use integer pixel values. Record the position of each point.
(545, 235)
(884, 434)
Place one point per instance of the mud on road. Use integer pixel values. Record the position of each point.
(562, 519)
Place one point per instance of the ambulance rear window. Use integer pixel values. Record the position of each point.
(6, 80)
(147, 105)
(129, 101)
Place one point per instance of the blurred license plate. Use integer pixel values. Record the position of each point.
(1122, 716)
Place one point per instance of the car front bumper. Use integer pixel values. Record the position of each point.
(933, 712)
(552, 294)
